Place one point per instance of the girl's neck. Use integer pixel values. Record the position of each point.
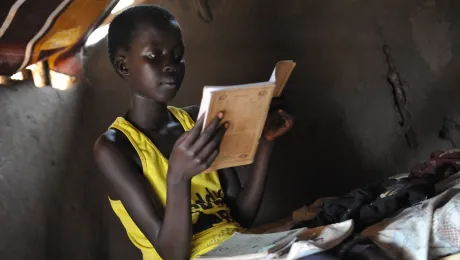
(147, 114)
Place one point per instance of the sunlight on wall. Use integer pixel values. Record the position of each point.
(97, 35)
(102, 31)
(121, 5)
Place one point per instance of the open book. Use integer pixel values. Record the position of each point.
(246, 108)
(291, 244)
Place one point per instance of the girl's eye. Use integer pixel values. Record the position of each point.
(178, 54)
(151, 55)
(178, 57)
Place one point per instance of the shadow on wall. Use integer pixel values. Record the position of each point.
(80, 223)
(318, 157)
(346, 132)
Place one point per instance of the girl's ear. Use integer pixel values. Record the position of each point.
(121, 66)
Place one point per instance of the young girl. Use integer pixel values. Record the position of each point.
(154, 155)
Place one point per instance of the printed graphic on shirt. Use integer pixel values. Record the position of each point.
(215, 239)
(208, 210)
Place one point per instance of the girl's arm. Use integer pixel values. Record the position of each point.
(245, 202)
(169, 228)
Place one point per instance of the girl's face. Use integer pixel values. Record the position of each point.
(155, 61)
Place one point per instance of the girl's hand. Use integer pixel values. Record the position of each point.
(277, 124)
(195, 151)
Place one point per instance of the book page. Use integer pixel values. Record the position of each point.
(246, 109)
(251, 244)
(280, 75)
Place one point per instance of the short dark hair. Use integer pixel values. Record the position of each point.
(124, 24)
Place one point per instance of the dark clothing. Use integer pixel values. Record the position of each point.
(356, 248)
(379, 200)
(360, 248)
(382, 199)
(321, 256)
(373, 203)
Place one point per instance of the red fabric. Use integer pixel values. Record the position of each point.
(440, 162)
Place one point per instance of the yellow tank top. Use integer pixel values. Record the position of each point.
(211, 218)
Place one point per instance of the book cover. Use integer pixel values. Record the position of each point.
(246, 108)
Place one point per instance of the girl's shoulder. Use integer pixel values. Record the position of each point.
(192, 111)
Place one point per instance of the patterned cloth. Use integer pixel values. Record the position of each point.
(428, 230)
(31, 31)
